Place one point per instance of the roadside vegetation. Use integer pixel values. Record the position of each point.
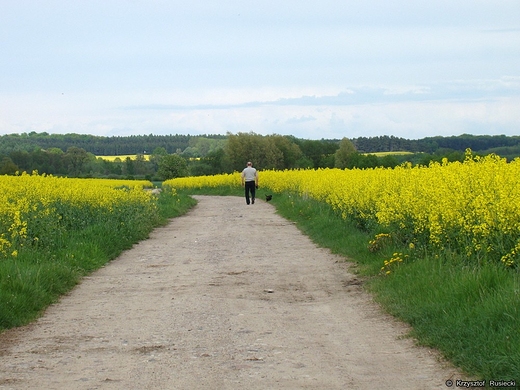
(54, 231)
(440, 257)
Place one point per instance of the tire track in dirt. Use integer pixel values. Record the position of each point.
(228, 296)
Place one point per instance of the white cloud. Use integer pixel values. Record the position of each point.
(300, 120)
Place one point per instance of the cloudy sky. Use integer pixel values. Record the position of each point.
(313, 69)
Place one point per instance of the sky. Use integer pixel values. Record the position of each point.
(312, 69)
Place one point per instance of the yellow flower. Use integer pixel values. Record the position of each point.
(467, 206)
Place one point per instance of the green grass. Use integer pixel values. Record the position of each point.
(37, 277)
(471, 314)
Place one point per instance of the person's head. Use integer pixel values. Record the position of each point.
(249, 164)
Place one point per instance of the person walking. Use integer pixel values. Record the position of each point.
(250, 182)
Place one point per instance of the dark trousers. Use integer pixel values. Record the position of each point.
(250, 187)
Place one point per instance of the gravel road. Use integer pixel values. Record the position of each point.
(228, 296)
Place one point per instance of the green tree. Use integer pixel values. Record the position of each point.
(216, 160)
(75, 159)
(23, 159)
(200, 168)
(345, 155)
(291, 152)
(130, 166)
(320, 152)
(141, 166)
(367, 161)
(8, 167)
(172, 166)
(199, 146)
(241, 148)
(156, 157)
(389, 161)
(270, 156)
(267, 152)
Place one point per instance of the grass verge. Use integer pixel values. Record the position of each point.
(37, 278)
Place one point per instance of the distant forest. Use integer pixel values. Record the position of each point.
(145, 144)
(97, 145)
(77, 154)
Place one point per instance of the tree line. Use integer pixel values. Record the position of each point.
(201, 156)
(103, 146)
(200, 145)
(181, 155)
(478, 143)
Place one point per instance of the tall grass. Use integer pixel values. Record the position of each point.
(469, 312)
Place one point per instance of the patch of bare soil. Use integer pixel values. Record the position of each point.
(228, 296)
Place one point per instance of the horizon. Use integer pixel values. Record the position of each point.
(265, 135)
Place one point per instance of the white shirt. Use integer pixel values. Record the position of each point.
(249, 174)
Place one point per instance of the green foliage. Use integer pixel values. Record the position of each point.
(98, 145)
(470, 314)
(345, 155)
(245, 147)
(291, 152)
(199, 146)
(172, 203)
(266, 152)
(214, 163)
(505, 146)
(75, 159)
(8, 167)
(321, 153)
(172, 166)
(73, 154)
(38, 276)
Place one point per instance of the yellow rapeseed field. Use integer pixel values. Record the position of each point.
(123, 157)
(472, 208)
(35, 208)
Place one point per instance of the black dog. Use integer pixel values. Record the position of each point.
(268, 198)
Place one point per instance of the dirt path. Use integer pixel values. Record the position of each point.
(227, 297)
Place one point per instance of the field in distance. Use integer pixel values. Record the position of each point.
(382, 154)
(123, 157)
